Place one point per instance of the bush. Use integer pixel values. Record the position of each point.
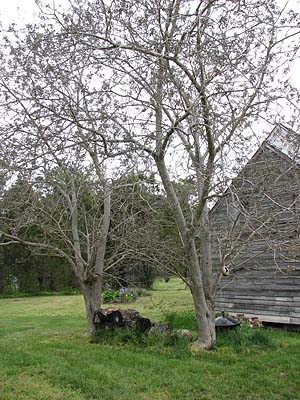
(123, 295)
(111, 296)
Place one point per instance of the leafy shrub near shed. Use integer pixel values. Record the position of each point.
(110, 296)
(123, 295)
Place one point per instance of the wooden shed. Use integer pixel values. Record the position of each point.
(256, 229)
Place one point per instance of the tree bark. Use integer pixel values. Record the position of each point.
(204, 307)
(90, 275)
(199, 264)
(92, 297)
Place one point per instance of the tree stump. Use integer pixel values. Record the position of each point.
(114, 319)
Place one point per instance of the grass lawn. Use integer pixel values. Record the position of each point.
(45, 356)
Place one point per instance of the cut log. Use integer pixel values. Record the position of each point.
(113, 319)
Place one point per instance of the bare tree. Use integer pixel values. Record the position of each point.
(187, 79)
(47, 108)
(69, 213)
(56, 136)
(192, 78)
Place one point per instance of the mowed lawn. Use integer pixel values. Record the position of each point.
(44, 355)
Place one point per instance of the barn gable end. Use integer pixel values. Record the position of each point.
(257, 225)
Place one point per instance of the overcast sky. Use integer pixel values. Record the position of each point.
(16, 11)
(24, 11)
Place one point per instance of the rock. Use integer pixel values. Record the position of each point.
(198, 348)
(184, 333)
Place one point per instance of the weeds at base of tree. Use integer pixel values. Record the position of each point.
(244, 338)
(239, 339)
(183, 320)
(177, 347)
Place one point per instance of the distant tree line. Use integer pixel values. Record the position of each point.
(23, 271)
(136, 246)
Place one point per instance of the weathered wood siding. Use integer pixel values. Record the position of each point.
(268, 296)
(262, 203)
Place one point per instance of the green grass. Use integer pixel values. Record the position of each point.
(18, 295)
(45, 355)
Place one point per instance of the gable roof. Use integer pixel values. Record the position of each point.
(283, 141)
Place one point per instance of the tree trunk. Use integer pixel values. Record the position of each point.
(205, 266)
(206, 324)
(199, 267)
(204, 309)
(92, 298)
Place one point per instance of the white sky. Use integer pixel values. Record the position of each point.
(26, 11)
(17, 10)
